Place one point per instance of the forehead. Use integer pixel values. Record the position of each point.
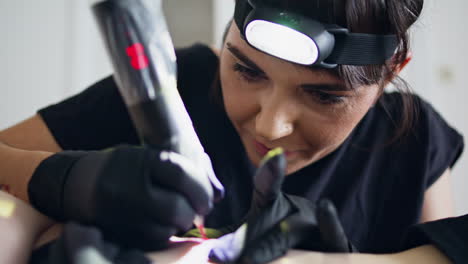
(234, 38)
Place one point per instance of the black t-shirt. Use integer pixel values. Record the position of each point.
(378, 188)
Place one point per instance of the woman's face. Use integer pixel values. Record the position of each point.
(273, 103)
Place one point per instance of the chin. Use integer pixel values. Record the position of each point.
(293, 168)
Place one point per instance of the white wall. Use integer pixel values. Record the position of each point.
(223, 12)
(189, 21)
(32, 56)
(438, 73)
(51, 49)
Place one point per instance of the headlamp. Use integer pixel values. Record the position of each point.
(304, 40)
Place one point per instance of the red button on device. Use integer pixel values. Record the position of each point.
(137, 55)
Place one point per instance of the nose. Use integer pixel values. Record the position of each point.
(276, 118)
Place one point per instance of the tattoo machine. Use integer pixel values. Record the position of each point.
(143, 57)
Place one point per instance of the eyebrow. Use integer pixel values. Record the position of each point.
(242, 57)
(316, 86)
(326, 87)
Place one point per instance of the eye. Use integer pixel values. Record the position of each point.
(248, 74)
(326, 98)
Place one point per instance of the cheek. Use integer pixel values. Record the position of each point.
(239, 100)
(326, 131)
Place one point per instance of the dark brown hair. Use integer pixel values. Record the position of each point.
(383, 17)
(374, 17)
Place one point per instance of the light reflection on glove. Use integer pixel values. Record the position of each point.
(277, 222)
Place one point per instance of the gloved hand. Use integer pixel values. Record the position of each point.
(277, 222)
(84, 245)
(137, 196)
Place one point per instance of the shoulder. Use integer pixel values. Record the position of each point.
(431, 141)
(390, 111)
(427, 122)
(197, 72)
(196, 64)
(197, 54)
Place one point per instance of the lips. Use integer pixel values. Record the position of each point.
(262, 150)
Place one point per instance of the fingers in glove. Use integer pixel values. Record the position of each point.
(229, 247)
(260, 221)
(272, 245)
(269, 177)
(155, 237)
(331, 231)
(132, 257)
(261, 240)
(146, 236)
(178, 173)
(77, 236)
(217, 186)
(169, 208)
(276, 241)
(84, 244)
(81, 244)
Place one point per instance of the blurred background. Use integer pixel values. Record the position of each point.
(51, 49)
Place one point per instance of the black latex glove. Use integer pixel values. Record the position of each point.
(277, 222)
(84, 245)
(137, 196)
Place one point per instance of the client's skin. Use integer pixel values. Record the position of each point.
(21, 225)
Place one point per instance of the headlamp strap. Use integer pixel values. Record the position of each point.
(350, 48)
(362, 49)
(242, 9)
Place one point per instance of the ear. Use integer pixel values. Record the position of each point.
(399, 68)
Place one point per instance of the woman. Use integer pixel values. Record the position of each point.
(344, 138)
